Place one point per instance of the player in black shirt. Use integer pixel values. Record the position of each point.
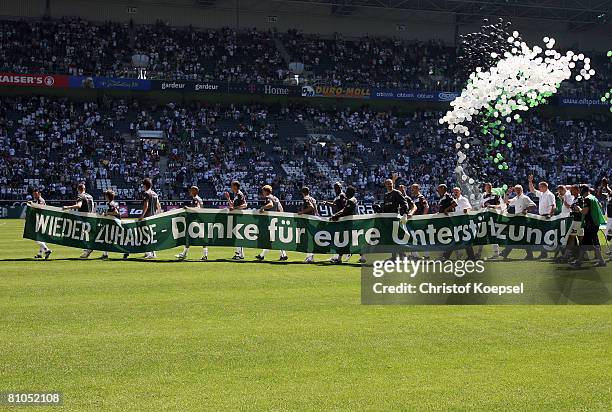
(237, 202)
(590, 240)
(394, 201)
(150, 207)
(604, 192)
(309, 207)
(271, 204)
(411, 207)
(339, 201)
(112, 209)
(349, 209)
(576, 231)
(43, 250)
(490, 200)
(422, 206)
(83, 204)
(195, 202)
(446, 204)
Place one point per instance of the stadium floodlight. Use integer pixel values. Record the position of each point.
(141, 62)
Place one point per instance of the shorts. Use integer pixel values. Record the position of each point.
(576, 229)
(591, 236)
(609, 227)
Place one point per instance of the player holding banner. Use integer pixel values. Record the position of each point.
(490, 200)
(349, 209)
(84, 203)
(196, 201)
(43, 250)
(309, 207)
(112, 209)
(272, 205)
(150, 207)
(238, 202)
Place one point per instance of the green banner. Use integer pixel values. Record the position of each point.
(288, 231)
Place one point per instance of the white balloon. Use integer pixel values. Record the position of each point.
(517, 74)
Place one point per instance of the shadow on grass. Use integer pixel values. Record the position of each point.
(264, 262)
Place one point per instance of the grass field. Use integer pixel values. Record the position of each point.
(222, 335)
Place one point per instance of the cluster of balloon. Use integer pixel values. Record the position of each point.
(608, 96)
(507, 77)
(483, 48)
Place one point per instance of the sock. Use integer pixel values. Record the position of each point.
(263, 252)
(205, 251)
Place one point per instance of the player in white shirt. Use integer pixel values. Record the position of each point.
(567, 199)
(521, 204)
(547, 205)
(463, 204)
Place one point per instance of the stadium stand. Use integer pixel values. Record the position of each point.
(52, 143)
(78, 47)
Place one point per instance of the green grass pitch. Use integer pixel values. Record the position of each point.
(221, 335)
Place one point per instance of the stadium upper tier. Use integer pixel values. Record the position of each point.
(77, 47)
(53, 144)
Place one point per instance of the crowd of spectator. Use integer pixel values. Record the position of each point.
(53, 144)
(77, 47)
(378, 62)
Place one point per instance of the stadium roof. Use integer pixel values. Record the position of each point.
(573, 11)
